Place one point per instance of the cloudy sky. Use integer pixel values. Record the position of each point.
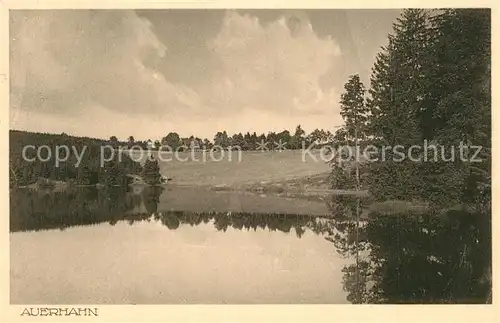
(148, 72)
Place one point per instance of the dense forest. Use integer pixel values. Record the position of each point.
(430, 84)
(44, 169)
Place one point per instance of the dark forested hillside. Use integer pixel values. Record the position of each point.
(80, 163)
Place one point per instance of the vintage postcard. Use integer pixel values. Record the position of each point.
(180, 161)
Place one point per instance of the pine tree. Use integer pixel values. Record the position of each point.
(398, 90)
(354, 112)
(459, 98)
(432, 82)
(83, 175)
(297, 139)
(151, 171)
(113, 174)
(353, 109)
(461, 60)
(398, 81)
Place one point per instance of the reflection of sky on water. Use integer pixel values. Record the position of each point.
(83, 246)
(148, 263)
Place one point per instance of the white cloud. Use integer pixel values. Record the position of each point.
(63, 60)
(96, 65)
(269, 68)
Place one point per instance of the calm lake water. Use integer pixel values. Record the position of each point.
(152, 246)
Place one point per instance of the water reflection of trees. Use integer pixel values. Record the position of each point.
(436, 256)
(31, 210)
(38, 210)
(241, 221)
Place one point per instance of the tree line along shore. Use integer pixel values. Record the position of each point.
(44, 171)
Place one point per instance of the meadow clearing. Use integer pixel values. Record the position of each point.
(242, 169)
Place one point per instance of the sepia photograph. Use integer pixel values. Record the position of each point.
(249, 156)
